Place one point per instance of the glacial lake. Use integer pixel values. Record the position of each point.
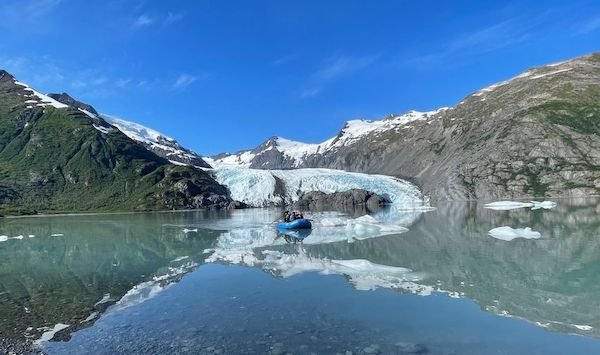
(228, 282)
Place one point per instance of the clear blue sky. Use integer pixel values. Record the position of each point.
(225, 75)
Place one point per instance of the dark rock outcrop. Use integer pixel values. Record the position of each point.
(316, 200)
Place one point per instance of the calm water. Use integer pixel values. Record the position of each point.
(433, 282)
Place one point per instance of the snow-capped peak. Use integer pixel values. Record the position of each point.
(156, 142)
(295, 153)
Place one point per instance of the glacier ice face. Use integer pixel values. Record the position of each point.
(261, 188)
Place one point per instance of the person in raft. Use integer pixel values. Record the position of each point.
(286, 216)
(297, 215)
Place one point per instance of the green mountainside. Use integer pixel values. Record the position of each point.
(55, 158)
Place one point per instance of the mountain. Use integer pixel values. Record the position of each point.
(60, 158)
(535, 135)
(281, 153)
(153, 140)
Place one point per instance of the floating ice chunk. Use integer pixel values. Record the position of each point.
(507, 233)
(19, 237)
(105, 298)
(49, 334)
(57, 235)
(186, 230)
(507, 205)
(3, 238)
(31, 236)
(90, 317)
(510, 205)
(583, 327)
(545, 205)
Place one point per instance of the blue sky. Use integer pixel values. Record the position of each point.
(226, 75)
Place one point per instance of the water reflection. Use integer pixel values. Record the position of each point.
(72, 268)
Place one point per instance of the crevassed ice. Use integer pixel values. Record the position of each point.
(259, 187)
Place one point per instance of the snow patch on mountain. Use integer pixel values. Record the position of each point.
(156, 141)
(38, 98)
(298, 152)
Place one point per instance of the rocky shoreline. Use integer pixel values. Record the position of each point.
(13, 347)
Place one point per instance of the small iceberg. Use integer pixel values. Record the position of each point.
(511, 205)
(3, 238)
(57, 235)
(49, 334)
(507, 233)
(186, 231)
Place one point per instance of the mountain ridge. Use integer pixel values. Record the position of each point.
(52, 155)
(556, 152)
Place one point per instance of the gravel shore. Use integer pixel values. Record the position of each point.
(13, 347)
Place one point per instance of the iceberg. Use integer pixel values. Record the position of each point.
(511, 205)
(507, 233)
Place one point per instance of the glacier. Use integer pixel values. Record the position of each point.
(262, 188)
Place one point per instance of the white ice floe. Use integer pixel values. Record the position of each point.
(261, 188)
(507, 233)
(90, 317)
(49, 334)
(57, 235)
(190, 230)
(106, 298)
(511, 205)
(3, 238)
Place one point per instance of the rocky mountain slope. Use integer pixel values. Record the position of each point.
(153, 140)
(535, 135)
(56, 157)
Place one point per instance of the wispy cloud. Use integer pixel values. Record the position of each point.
(143, 20)
(341, 66)
(27, 15)
(146, 20)
(183, 81)
(284, 59)
(333, 69)
(173, 17)
(590, 25)
(310, 92)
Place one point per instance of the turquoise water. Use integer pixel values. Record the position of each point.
(227, 282)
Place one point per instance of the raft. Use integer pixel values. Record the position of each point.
(301, 223)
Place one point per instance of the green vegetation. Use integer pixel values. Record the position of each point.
(55, 160)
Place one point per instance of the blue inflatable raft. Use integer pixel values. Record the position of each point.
(296, 224)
